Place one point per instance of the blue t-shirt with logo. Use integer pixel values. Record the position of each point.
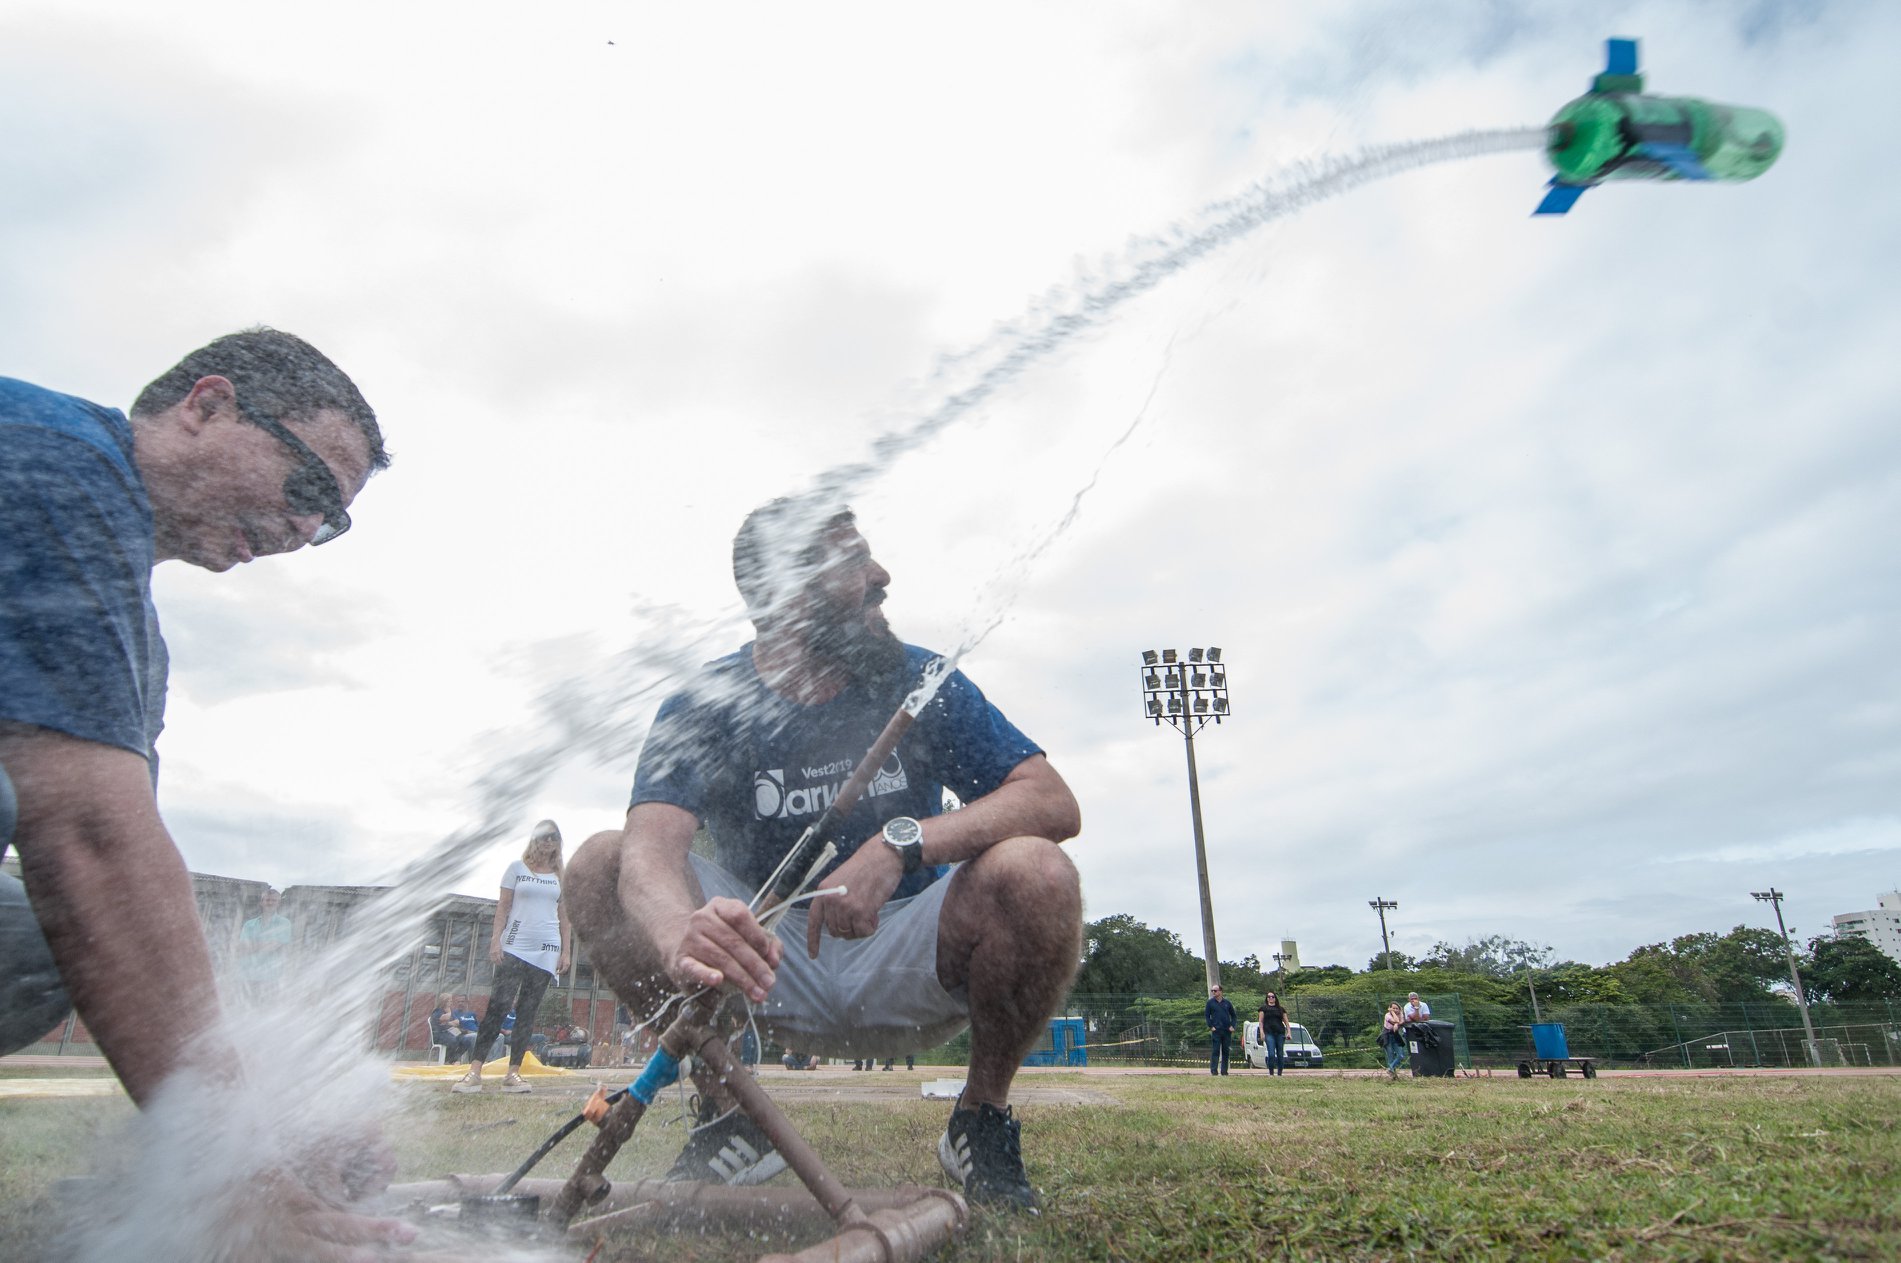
(758, 768)
(80, 650)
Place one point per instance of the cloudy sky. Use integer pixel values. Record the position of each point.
(1555, 560)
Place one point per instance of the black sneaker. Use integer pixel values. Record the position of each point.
(982, 1150)
(729, 1150)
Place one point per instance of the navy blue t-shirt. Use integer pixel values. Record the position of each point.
(758, 768)
(80, 650)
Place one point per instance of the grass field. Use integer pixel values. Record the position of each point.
(1186, 1167)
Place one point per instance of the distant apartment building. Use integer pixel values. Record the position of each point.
(1880, 926)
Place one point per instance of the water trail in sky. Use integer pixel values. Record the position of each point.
(992, 605)
(967, 380)
(184, 1180)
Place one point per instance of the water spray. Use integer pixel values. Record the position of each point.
(695, 1033)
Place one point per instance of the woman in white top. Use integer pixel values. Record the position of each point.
(530, 947)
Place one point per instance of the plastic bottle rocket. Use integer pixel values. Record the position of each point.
(1615, 132)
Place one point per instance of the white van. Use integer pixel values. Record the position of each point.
(1299, 1049)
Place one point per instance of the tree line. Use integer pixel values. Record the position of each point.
(1661, 993)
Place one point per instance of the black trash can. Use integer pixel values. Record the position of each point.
(1430, 1044)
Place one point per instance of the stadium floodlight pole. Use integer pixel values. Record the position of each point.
(1188, 693)
(1380, 905)
(1774, 896)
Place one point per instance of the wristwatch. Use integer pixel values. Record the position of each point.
(906, 836)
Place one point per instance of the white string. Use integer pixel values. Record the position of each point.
(772, 918)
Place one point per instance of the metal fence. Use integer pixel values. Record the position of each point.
(1843, 1044)
(1170, 1031)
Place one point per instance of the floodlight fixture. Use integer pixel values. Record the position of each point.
(1380, 904)
(1188, 688)
(1774, 896)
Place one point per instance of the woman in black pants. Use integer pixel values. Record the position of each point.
(530, 947)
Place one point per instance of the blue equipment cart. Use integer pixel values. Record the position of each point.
(1552, 1054)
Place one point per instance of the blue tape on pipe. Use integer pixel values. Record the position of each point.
(663, 1068)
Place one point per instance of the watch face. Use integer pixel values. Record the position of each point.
(903, 831)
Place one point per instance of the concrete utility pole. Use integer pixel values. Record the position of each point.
(1188, 694)
(1380, 906)
(1774, 896)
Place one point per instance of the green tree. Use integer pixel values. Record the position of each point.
(1245, 978)
(1746, 965)
(1569, 982)
(1322, 975)
(1848, 969)
(1650, 975)
(1384, 961)
(1493, 956)
(1122, 956)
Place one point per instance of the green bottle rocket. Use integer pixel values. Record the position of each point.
(1615, 132)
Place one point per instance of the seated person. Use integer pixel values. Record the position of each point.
(445, 1030)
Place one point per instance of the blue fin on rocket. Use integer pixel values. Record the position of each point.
(1679, 158)
(1620, 68)
(1561, 198)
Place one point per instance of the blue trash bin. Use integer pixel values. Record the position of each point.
(1548, 1039)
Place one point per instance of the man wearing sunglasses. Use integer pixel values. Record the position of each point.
(255, 444)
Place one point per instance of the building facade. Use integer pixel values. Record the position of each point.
(448, 960)
(1880, 926)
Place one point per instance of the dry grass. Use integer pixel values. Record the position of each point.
(1184, 1167)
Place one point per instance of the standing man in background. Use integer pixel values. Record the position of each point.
(1220, 1030)
(264, 948)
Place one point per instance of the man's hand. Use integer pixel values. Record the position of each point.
(300, 1212)
(282, 1221)
(495, 951)
(343, 1168)
(561, 966)
(869, 876)
(724, 945)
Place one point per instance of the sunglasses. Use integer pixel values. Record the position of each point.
(311, 488)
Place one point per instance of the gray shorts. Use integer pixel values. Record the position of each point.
(33, 1001)
(869, 997)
